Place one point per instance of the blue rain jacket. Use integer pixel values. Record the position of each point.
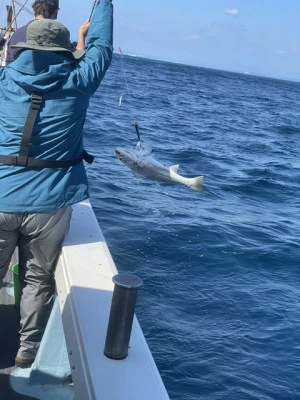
(66, 87)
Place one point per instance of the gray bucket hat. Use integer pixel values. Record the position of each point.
(49, 35)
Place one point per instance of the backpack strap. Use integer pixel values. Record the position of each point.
(22, 160)
(36, 101)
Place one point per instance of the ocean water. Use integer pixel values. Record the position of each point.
(220, 303)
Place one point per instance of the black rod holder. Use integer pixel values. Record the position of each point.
(121, 315)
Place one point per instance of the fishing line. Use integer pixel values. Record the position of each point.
(136, 125)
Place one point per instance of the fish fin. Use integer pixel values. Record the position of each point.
(196, 183)
(174, 168)
(147, 149)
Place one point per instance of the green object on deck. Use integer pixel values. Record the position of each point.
(17, 284)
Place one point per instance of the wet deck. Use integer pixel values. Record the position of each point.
(9, 339)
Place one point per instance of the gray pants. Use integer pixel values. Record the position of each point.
(39, 238)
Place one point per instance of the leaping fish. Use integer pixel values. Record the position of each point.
(142, 164)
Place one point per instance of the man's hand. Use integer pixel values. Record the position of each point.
(7, 33)
(83, 30)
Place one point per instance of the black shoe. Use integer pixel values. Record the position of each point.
(23, 362)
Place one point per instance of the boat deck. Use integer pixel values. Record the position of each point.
(9, 339)
(75, 335)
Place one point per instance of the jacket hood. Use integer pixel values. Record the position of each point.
(40, 71)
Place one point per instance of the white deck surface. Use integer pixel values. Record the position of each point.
(84, 282)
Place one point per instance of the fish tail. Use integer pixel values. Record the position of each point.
(196, 183)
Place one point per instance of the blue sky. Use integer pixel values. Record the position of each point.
(254, 36)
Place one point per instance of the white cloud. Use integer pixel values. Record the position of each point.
(232, 11)
(194, 37)
(203, 35)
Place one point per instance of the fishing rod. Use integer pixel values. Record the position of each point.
(23, 6)
(93, 9)
(136, 125)
(9, 25)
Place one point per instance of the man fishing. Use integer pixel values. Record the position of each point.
(42, 9)
(45, 94)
